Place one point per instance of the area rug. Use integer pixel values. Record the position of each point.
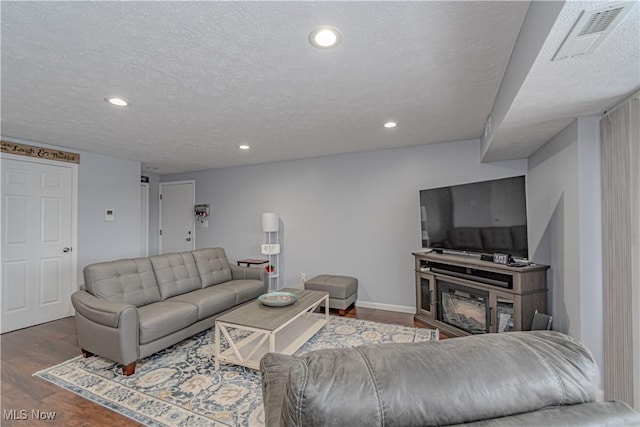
(179, 386)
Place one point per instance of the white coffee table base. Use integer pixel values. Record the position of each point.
(286, 339)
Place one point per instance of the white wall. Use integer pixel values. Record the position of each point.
(354, 214)
(540, 18)
(565, 228)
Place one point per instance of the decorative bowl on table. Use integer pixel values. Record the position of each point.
(278, 299)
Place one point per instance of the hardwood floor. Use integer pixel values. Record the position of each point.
(30, 350)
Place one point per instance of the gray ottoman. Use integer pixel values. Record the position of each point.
(343, 290)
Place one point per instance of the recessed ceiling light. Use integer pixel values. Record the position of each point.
(243, 147)
(390, 125)
(325, 37)
(118, 102)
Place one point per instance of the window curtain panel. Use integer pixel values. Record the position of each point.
(620, 157)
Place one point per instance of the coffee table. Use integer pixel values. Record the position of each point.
(273, 329)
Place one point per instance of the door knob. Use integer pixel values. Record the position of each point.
(188, 239)
(66, 250)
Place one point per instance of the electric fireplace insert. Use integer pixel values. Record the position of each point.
(463, 307)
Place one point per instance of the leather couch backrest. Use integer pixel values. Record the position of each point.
(131, 281)
(175, 274)
(519, 237)
(438, 383)
(465, 237)
(213, 266)
(496, 238)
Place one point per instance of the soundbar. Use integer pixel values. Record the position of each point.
(476, 275)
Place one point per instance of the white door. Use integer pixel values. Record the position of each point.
(144, 220)
(37, 224)
(177, 220)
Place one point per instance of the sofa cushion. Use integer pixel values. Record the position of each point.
(209, 301)
(213, 266)
(464, 238)
(163, 318)
(130, 281)
(495, 239)
(595, 414)
(176, 274)
(244, 290)
(420, 383)
(519, 237)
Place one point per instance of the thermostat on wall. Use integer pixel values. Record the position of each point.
(109, 214)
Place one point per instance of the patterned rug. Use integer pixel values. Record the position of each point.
(179, 386)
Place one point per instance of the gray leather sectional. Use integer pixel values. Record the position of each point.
(536, 378)
(131, 308)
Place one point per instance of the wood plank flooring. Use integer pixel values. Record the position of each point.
(30, 350)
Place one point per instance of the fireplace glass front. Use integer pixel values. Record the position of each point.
(463, 307)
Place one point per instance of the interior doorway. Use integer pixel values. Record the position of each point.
(144, 219)
(39, 220)
(177, 220)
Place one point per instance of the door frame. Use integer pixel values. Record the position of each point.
(144, 222)
(193, 218)
(73, 286)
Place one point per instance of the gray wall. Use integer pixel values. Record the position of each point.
(564, 211)
(355, 214)
(106, 182)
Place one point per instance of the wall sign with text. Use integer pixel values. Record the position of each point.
(39, 152)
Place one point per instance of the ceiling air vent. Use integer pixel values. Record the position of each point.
(592, 28)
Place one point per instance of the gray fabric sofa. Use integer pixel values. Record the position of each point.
(131, 308)
(540, 378)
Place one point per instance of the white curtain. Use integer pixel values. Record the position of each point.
(620, 157)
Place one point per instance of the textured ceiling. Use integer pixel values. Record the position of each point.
(556, 92)
(204, 77)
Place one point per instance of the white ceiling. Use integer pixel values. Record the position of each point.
(205, 77)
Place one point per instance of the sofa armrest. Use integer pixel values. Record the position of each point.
(103, 312)
(275, 368)
(243, 273)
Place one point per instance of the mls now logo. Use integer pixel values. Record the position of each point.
(23, 414)
(14, 414)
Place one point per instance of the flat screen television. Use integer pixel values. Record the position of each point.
(478, 218)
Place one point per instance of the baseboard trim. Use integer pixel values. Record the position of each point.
(387, 307)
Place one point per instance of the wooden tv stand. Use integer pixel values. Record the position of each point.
(504, 291)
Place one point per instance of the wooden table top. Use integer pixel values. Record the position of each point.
(259, 316)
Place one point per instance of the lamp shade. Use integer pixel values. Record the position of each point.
(270, 222)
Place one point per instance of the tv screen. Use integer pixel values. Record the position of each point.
(481, 218)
